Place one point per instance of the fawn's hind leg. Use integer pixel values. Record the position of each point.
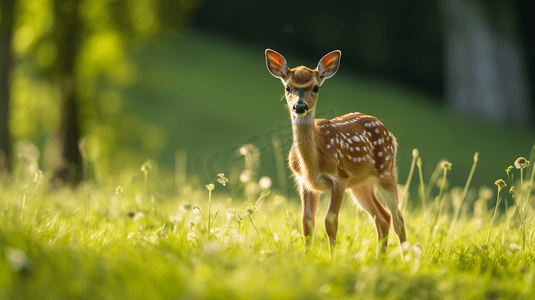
(389, 194)
(364, 195)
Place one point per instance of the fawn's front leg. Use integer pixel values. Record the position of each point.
(331, 219)
(309, 200)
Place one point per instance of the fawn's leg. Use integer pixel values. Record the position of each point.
(309, 201)
(331, 219)
(389, 194)
(365, 197)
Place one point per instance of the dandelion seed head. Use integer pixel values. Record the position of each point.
(445, 165)
(146, 167)
(265, 183)
(521, 163)
(500, 183)
(246, 176)
(244, 150)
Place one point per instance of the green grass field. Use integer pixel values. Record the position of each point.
(240, 242)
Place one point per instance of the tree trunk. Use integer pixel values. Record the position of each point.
(485, 65)
(67, 32)
(6, 30)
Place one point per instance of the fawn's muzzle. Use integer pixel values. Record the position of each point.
(300, 107)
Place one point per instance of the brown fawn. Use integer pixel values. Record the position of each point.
(354, 151)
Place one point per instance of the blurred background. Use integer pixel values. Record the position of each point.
(93, 88)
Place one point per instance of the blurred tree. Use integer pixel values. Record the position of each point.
(6, 30)
(67, 33)
(485, 62)
(72, 67)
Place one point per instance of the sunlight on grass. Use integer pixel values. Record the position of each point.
(240, 238)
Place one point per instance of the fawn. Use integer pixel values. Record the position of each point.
(354, 151)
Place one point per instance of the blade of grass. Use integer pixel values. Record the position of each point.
(463, 195)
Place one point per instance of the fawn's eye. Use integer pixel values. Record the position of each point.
(316, 89)
(288, 88)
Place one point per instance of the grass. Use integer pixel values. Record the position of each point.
(138, 241)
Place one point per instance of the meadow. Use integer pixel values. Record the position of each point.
(166, 229)
(239, 239)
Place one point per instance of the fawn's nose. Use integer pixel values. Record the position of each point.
(300, 107)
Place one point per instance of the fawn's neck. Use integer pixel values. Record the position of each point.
(305, 139)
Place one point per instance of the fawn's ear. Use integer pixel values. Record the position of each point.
(276, 64)
(328, 65)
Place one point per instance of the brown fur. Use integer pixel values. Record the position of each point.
(302, 76)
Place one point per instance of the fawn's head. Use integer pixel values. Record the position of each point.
(301, 83)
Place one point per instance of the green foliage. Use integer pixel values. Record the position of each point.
(103, 71)
(133, 239)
